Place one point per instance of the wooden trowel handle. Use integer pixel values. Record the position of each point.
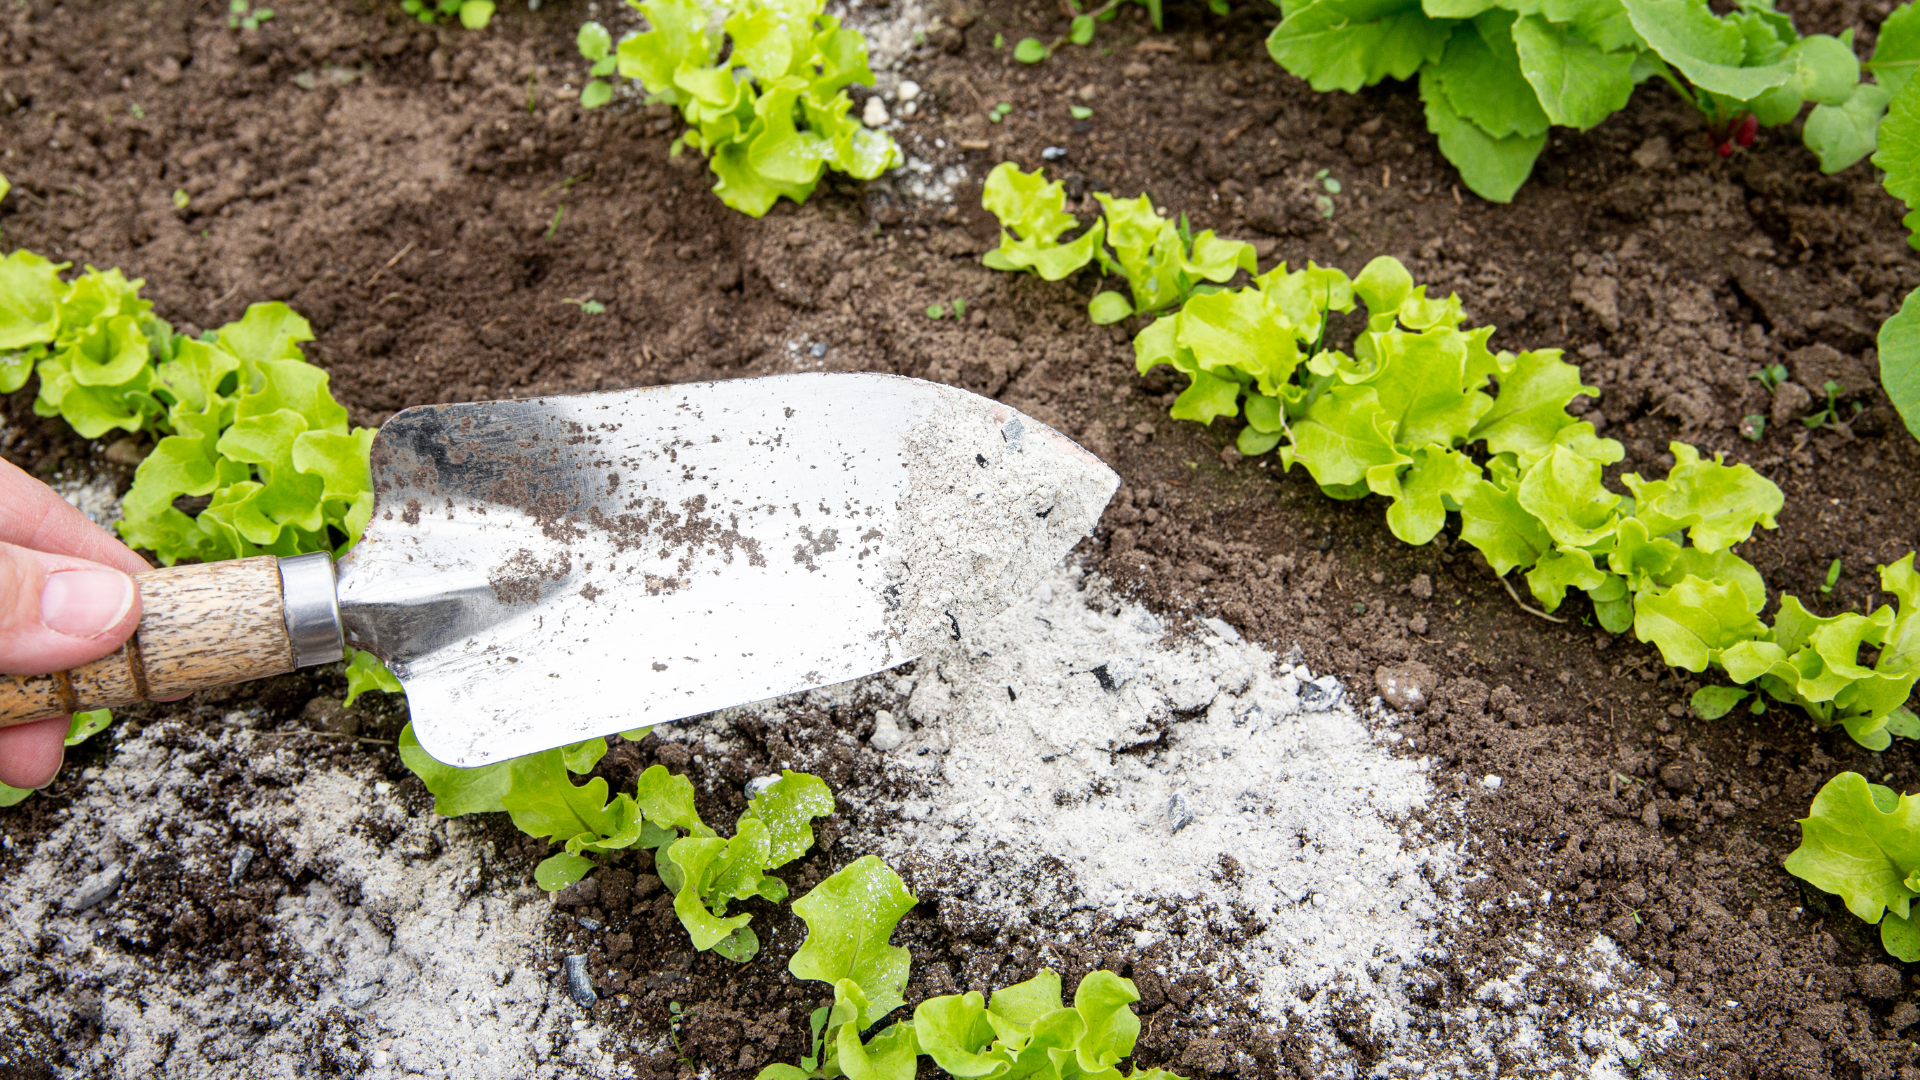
(211, 624)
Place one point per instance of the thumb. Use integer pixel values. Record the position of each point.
(58, 612)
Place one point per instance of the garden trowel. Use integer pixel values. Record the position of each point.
(540, 572)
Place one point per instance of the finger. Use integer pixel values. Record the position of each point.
(30, 754)
(58, 612)
(32, 516)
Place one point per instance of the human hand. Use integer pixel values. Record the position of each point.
(65, 599)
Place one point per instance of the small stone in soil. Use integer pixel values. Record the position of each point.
(589, 924)
(95, 889)
(1224, 629)
(759, 784)
(886, 734)
(1053, 153)
(237, 869)
(819, 349)
(1179, 814)
(579, 982)
(1490, 782)
(1321, 694)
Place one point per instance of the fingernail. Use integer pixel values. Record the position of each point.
(82, 603)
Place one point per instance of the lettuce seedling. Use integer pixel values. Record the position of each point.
(1164, 264)
(763, 92)
(473, 14)
(1024, 1030)
(704, 871)
(1861, 842)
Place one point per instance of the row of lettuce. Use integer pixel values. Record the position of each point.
(1428, 416)
(762, 88)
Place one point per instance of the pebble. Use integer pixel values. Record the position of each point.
(1053, 153)
(1179, 814)
(875, 113)
(95, 889)
(359, 997)
(1490, 782)
(379, 1059)
(759, 784)
(886, 734)
(1404, 686)
(237, 869)
(589, 924)
(908, 90)
(1321, 694)
(1224, 629)
(818, 350)
(903, 686)
(579, 982)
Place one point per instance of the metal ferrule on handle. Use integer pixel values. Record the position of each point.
(312, 609)
(212, 624)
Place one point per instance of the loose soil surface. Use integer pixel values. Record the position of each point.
(432, 199)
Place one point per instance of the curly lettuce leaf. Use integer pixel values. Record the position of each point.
(1861, 842)
(849, 918)
(1033, 217)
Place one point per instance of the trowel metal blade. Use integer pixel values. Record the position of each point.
(540, 572)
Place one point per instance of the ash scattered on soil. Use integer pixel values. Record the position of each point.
(255, 916)
(1230, 829)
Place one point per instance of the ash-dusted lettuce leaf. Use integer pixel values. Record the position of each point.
(1348, 44)
(1033, 216)
(849, 918)
(787, 808)
(714, 872)
(1861, 842)
(1492, 168)
(456, 791)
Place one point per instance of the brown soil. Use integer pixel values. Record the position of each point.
(410, 205)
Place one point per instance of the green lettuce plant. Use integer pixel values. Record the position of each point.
(1898, 141)
(1162, 263)
(1495, 75)
(1024, 1032)
(1861, 842)
(1428, 416)
(762, 87)
(473, 14)
(704, 871)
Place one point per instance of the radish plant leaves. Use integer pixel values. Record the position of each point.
(1494, 74)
